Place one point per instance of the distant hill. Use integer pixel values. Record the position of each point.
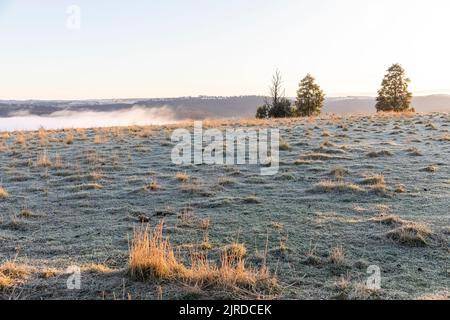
(431, 103)
(208, 107)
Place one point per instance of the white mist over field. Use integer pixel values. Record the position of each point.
(136, 115)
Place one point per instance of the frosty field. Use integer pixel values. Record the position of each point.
(352, 192)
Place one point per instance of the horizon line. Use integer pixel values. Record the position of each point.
(335, 95)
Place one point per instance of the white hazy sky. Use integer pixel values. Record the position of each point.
(168, 48)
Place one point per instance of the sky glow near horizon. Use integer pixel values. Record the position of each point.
(134, 49)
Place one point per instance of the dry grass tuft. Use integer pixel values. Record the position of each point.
(42, 135)
(81, 132)
(20, 139)
(235, 251)
(225, 181)
(152, 186)
(58, 162)
(95, 176)
(3, 193)
(306, 162)
(69, 138)
(430, 169)
(49, 273)
(400, 188)
(337, 256)
(182, 177)
(440, 296)
(90, 186)
(411, 233)
(284, 145)
(414, 152)
(100, 138)
(43, 160)
(319, 156)
(12, 274)
(374, 180)
(336, 186)
(252, 199)
(388, 219)
(96, 268)
(339, 173)
(360, 291)
(377, 154)
(152, 257)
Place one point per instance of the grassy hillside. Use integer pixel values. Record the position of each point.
(352, 192)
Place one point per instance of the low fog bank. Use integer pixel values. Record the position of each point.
(136, 115)
(31, 115)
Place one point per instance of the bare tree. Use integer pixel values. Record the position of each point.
(279, 106)
(276, 90)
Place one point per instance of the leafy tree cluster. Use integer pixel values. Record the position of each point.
(310, 99)
(393, 96)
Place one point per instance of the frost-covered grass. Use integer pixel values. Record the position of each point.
(334, 209)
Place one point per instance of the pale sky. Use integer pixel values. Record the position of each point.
(170, 48)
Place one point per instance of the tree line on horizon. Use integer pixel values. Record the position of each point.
(393, 96)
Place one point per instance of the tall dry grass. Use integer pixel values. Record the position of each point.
(152, 256)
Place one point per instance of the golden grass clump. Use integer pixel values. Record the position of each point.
(430, 169)
(81, 132)
(89, 186)
(388, 219)
(153, 186)
(100, 138)
(235, 250)
(58, 162)
(252, 199)
(5, 135)
(20, 139)
(42, 135)
(414, 152)
(3, 193)
(400, 188)
(69, 138)
(96, 268)
(49, 273)
(327, 144)
(337, 256)
(336, 186)
(339, 172)
(43, 160)
(225, 181)
(439, 296)
(182, 177)
(320, 156)
(152, 256)
(11, 274)
(95, 176)
(374, 180)
(411, 233)
(284, 145)
(377, 154)
(301, 162)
